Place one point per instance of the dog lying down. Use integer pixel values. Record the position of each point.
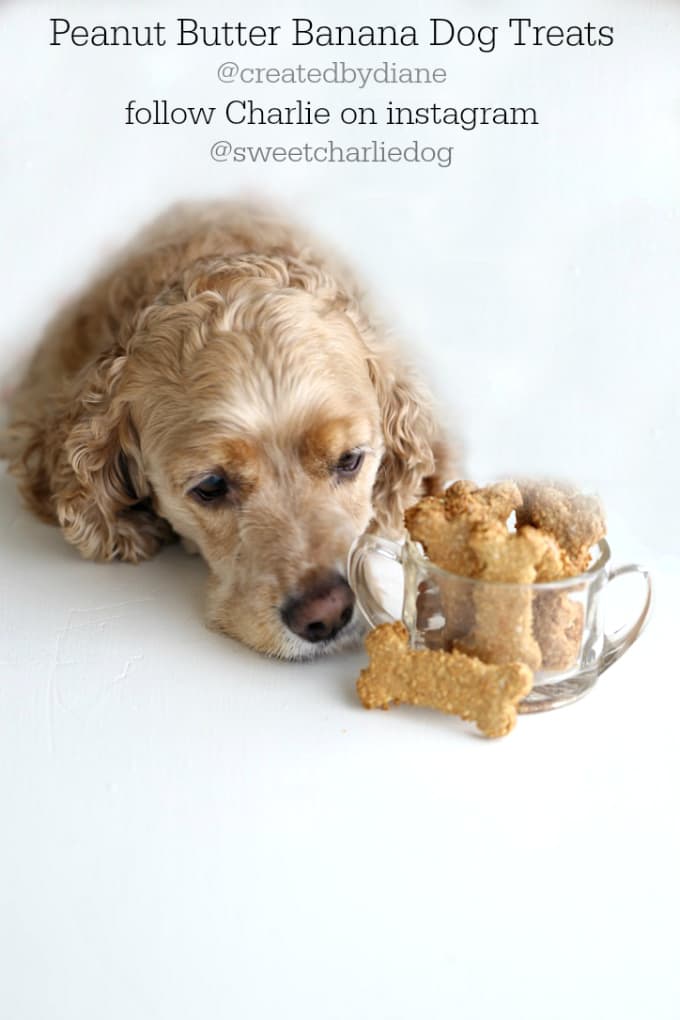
(223, 383)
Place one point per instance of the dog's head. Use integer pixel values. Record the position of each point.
(254, 413)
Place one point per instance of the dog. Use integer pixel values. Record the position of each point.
(225, 384)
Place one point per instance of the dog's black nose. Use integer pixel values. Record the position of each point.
(322, 610)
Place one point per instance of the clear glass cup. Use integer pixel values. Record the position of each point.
(556, 627)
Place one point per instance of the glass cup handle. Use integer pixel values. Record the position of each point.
(620, 641)
(363, 547)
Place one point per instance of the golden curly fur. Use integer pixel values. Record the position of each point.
(223, 344)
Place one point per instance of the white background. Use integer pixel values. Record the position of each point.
(189, 830)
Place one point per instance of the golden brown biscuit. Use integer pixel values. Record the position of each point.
(447, 545)
(511, 556)
(491, 503)
(442, 523)
(575, 520)
(503, 627)
(558, 629)
(445, 541)
(464, 532)
(443, 527)
(449, 681)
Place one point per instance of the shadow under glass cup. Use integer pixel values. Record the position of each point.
(557, 628)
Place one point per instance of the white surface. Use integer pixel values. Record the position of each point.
(189, 830)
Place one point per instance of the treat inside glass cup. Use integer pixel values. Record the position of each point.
(555, 626)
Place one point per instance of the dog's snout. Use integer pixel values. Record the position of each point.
(321, 611)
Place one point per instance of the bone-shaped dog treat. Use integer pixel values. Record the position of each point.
(464, 532)
(558, 629)
(443, 527)
(445, 541)
(449, 681)
(575, 520)
(503, 627)
(442, 524)
(482, 505)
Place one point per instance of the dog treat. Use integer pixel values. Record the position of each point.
(503, 625)
(443, 526)
(575, 520)
(558, 628)
(482, 505)
(464, 531)
(446, 542)
(496, 629)
(452, 682)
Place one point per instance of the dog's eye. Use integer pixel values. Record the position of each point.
(210, 489)
(349, 463)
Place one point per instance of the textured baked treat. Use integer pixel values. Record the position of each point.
(558, 629)
(446, 540)
(576, 521)
(497, 627)
(482, 505)
(447, 544)
(443, 525)
(451, 682)
(503, 612)
(465, 532)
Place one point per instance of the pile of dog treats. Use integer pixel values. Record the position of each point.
(494, 636)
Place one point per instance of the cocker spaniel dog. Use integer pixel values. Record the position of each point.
(223, 383)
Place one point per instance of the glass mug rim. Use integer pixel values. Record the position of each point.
(415, 552)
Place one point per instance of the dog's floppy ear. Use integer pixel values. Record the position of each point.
(415, 459)
(81, 466)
